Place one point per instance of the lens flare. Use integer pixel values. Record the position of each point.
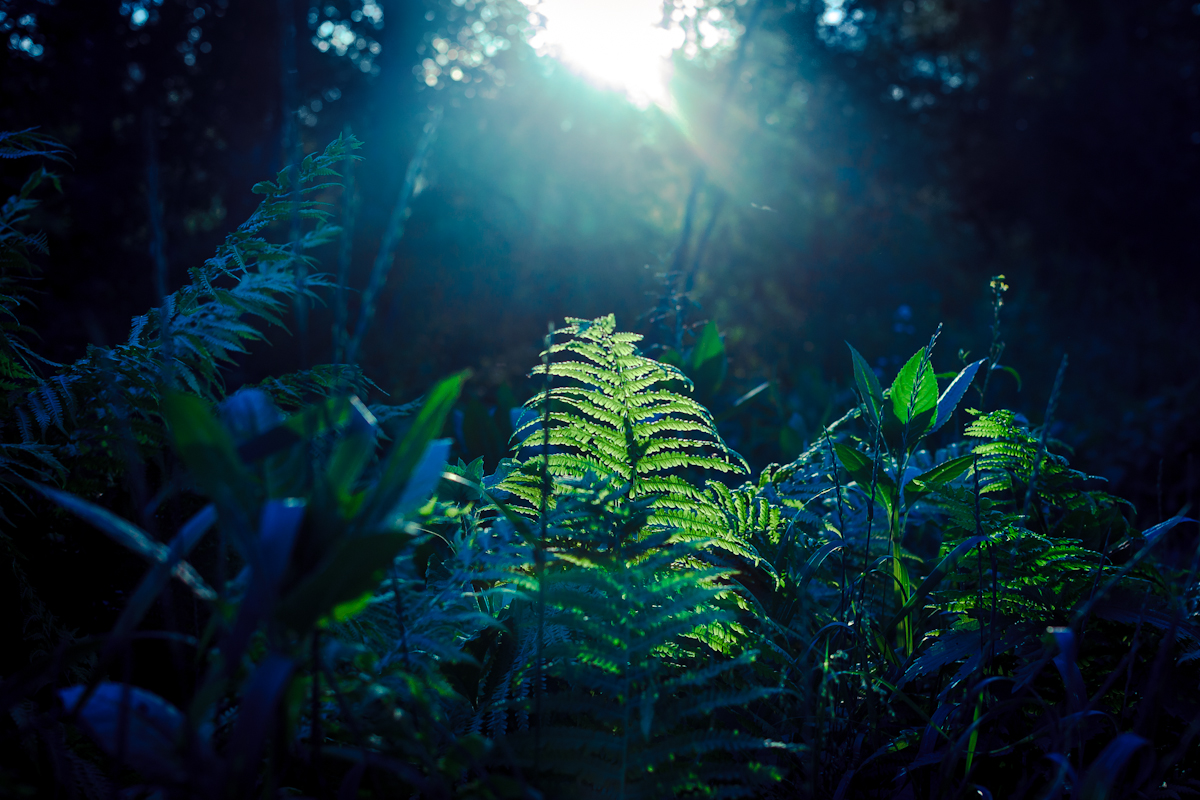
(617, 44)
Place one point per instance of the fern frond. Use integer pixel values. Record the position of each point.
(616, 417)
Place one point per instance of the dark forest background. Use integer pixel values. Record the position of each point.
(863, 182)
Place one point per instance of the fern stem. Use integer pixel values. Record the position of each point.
(539, 554)
(875, 458)
(158, 248)
(392, 235)
(315, 728)
(837, 482)
(999, 287)
(400, 617)
(1041, 448)
(345, 250)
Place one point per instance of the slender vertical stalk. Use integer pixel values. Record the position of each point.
(345, 250)
(158, 247)
(837, 482)
(392, 236)
(999, 287)
(875, 458)
(316, 705)
(539, 553)
(1041, 450)
(291, 152)
(978, 560)
(400, 617)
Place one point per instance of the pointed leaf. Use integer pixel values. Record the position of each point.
(914, 395)
(1068, 667)
(353, 451)
(954, 392)
(207, 449)
(269, 558)
(257, 716)
(1011, 371)
(248, 412)
(868, 385)
(937, 477)
(862, 470)
(424, 479)
(815, 561)
(333, 414)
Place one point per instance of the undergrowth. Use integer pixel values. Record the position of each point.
(611, 613)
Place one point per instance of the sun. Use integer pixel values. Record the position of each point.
(616, 44)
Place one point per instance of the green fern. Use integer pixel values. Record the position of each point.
(619, 417)
(210, 320)
(637, 703)
(1008, 459)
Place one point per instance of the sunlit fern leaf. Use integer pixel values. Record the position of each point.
(1011, 452)
(618, 416)
(633, 693)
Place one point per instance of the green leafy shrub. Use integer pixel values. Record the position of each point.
(607, 614)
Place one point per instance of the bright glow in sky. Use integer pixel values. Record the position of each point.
(619, 44)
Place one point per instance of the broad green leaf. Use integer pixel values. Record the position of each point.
(707, 364)
(862, 469)
(424, 479)
(938, 476)
(207, 450)
(868, 384)
(256, 718)
(953, 394)
(269, 557)
(914, 396)
(153, 728)
(352, 451)
(355, 566)
(405, 455)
